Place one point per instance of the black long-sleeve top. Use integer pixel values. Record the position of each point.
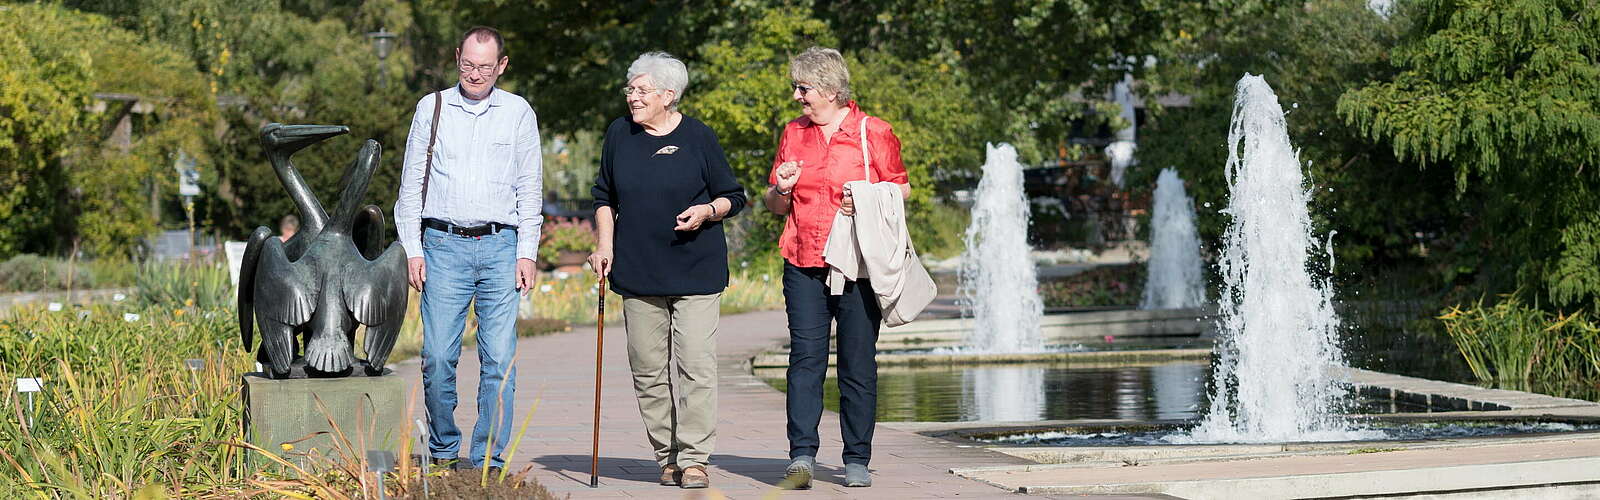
(648, 180)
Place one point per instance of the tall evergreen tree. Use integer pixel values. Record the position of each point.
(1506, 95)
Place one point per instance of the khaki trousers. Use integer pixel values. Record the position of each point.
(680, 415)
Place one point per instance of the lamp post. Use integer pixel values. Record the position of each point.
(382, 43)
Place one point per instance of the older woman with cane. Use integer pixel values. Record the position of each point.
(663, 189)
(817, 154)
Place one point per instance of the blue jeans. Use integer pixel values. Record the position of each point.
(461, 269)
(857, 317)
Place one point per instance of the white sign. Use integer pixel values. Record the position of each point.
(119, 297)
(188, 175)
(54, 306)
(28, 385)
(130, 317)
(235, 253)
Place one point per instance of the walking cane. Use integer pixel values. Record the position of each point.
(599, 354)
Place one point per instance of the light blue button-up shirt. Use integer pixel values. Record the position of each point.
(486, 168)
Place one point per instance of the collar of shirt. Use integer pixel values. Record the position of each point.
(479, 107)
(848, 123)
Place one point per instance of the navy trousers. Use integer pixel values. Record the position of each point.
(811, 312)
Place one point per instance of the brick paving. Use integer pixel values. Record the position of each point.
(556, 372)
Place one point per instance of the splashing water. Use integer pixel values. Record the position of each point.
(1277, 358)
(998, 280)
(1174, 279)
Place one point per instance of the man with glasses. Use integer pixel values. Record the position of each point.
(469, 217)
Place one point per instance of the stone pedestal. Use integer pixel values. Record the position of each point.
(370, 412)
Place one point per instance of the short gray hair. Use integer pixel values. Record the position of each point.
(825, 68)
(665, 71)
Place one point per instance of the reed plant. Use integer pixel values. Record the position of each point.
(119, 410)
(122, 414)
(1516, 346)
(573, 297)
(752, 292)
(203, 284)
(570, 297)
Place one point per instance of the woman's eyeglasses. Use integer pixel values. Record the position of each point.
(629, 91)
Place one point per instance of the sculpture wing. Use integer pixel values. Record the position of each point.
(285, 297)
(247, 283)
(375, 293)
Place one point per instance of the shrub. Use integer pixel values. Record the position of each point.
(32, 273)
(1120, 285)
(564, 235)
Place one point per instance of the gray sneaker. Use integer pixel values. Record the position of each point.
(798, 475)
(856, 476)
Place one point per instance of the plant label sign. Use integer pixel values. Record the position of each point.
(28, 385)
(380, 461)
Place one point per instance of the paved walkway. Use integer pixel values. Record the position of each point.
(556, 372)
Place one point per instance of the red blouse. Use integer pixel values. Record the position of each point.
(828, 165)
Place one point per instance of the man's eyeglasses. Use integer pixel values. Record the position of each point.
(802, 88)
(629, 91)
(486, 70)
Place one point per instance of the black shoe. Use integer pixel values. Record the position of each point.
(445, 463)
(494, 472)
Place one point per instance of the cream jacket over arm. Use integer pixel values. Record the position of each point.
(876, 245)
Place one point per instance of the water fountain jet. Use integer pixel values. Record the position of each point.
(998, 280)
(1276, 375)
(1175, 275)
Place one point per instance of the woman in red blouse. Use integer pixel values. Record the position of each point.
(818, 153)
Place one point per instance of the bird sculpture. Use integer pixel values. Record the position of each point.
(308, 294)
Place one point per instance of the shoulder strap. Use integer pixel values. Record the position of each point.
(866, 159)
(433, 134)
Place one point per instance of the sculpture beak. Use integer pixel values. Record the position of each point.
(290, 138)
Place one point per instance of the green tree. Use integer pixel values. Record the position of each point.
(1038, 69)
(570, 164)
(742, 97)
(69, 187)
(292, 62)
(1503, 96)
(45, 89)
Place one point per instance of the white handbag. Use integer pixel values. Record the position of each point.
(919, 289)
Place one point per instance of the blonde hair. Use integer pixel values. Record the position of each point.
(825, 68)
